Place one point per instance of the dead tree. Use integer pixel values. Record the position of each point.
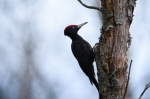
(111, 51)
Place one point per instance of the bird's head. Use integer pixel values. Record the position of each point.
(72, 29)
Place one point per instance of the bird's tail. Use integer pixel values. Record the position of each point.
(95, 82)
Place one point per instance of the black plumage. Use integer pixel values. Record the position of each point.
(82, 51)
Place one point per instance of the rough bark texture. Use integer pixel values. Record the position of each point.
(111, 51)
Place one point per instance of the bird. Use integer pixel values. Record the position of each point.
(82, 51)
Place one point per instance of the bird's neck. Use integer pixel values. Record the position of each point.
(76, 37)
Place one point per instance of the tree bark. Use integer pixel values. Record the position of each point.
(111, 51)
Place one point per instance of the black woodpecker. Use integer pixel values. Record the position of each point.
(82, 51)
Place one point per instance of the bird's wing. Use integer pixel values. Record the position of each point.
(83, 50)
(85, 56)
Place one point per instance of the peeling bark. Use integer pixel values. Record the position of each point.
(111, 51)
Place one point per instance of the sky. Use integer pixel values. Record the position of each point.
(35, 57)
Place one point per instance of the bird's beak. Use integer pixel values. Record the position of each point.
(79, 26)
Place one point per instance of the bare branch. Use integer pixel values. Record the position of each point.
(128, 79)
(146, 87)
(90, 7)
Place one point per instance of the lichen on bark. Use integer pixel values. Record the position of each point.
(111, 51)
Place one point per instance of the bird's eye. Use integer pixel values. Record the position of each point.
(73, 27)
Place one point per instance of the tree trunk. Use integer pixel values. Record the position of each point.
(111, 51)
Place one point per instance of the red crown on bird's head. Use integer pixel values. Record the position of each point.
(69, 27)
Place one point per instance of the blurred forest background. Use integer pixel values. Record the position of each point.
(36, 61)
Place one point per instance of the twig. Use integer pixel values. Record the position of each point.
(128, 80)
(146, 87)
(112, 73)
(90, 7)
